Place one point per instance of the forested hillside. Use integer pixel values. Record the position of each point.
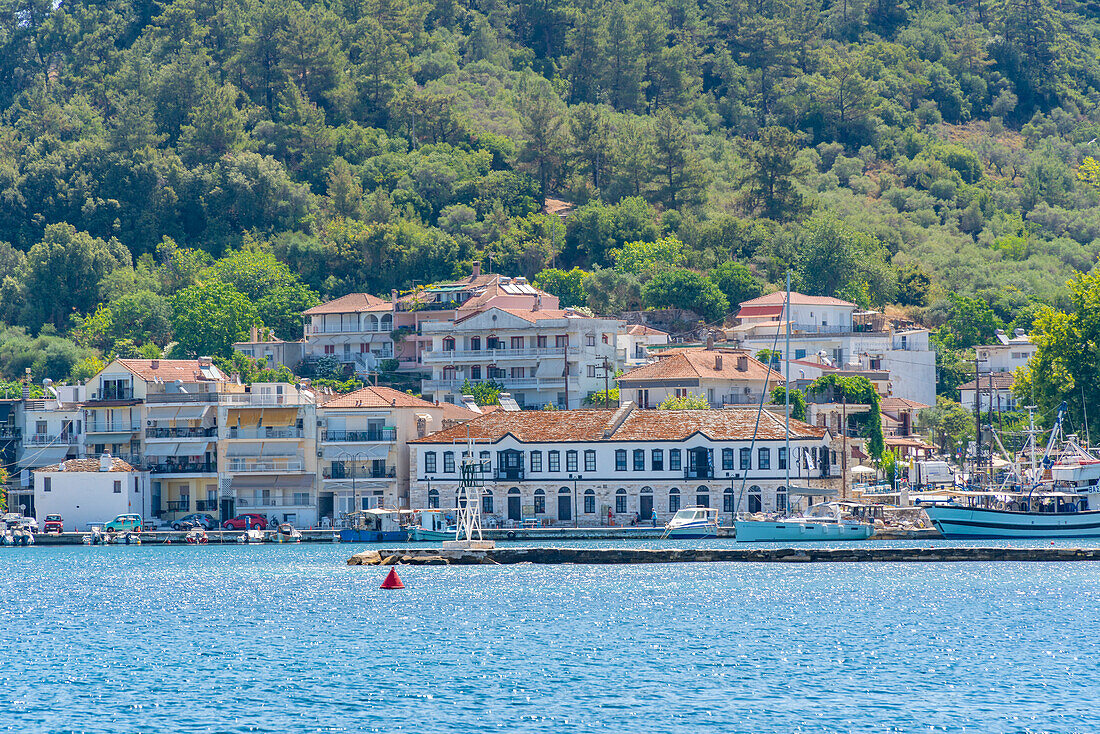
(158, 160)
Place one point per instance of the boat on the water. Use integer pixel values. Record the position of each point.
(825, 521)
(251, 536)
(376, 525)
(692, 522)
(287, 533)
(431, 525)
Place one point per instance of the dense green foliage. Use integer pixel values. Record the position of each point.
(858, 390)
(921, 153)
(798, 401)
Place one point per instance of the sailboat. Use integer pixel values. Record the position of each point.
(825, 521)
(1065, 505)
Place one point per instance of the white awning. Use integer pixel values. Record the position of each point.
(44, 456)
(550, 368)
(192, 412)
(244, 449)
(162, 449)
(194, 446)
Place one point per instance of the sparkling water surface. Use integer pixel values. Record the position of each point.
(289, 638)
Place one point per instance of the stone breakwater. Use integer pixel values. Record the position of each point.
(509, 556)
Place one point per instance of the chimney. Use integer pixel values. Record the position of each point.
(105, 462)
(155, 364)
(743, 363)
(27, 384)
(206, 361)
(254, 333)
(538, 303)
(477, 269)
(718, 363)
(710, 341)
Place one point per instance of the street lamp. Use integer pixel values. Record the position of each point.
(575, 479)
(354, 498)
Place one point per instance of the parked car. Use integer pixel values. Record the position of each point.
(123, 523)
(248, 519)
(53, 524)
(28, 523)
(195, 518)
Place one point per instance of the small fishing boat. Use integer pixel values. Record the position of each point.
(196, 536)
(287, 533)
(377, 525)
(429, 525)
(692, 522)
(823, 522)
(95, 536)
(251, 536)
(127, 538)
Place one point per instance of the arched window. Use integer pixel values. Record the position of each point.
(487, 502)
(372, 323)
(449, 344)
(781, 499)
(540, 502)
(727, 500)
(513, 490)
(673, 500)
(387, 323)
(433, 499)
(589, 502)
(475, 343)
(620, 502)
(755, 502)
(702, 496)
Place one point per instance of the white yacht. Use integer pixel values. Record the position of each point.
(693, 522)
(824, 521)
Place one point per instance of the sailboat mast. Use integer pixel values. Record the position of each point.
(787, 391)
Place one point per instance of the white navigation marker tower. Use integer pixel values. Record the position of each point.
(468, 534)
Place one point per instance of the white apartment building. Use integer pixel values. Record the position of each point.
(90, 491)
(1008, 354)
(363, 446)
(594, 467)
(994, 392)
(848, 338)
(355, 329)
(541, 356)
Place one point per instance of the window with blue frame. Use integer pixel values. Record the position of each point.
(536, 461)
(554, 460)
(449, 462)
(620, 501)
(571, 461)
(620, 459)
(764, 459)
(657, 459)
(639, 459)
(429, 462)
(746, 459)
(674, 459)
(727, 459)
(589, 460)
(783, 457)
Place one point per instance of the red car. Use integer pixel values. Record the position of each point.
(251, 520)
(53, 524)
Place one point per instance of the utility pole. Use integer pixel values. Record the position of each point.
(606, 384)
(977, 418)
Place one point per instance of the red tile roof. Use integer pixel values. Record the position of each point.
(351, 303)
(377, 397)
(541, 426)
(692, 364)
(1001, 381)
(893, 403)
(89, 465)
(643, 330)
(527, 314)
(168, 370)
(797, 299)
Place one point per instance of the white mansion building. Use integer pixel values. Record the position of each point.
(589, 467)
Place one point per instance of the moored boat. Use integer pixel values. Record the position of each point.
(692, 522)
(825, 522)
(431, 525)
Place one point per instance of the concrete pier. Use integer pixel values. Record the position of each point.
(158, 537)
(508, 556)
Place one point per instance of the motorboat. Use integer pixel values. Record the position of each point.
(287, 533)
(126, 538)
(823, 521)
(95, 536)
(377, 525)
(17, 536)
(692, 522)
(196, 536)
(251, 536)
(431, 525)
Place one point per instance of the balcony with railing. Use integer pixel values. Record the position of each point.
(112, 427)
(264, 465)
(510, 383)
(701, 472)
(509, 474)
(266, 432)
(367, 328)
(262, 503)
(152, 434)
(261, 400)
(385, 434)
(348, 470)
(182, 397)
(42, 439)
(448, 356)
(184, 467)
(112, 395)
(10, 433)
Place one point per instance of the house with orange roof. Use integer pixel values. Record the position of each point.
(356, 329)
(843, 335)
(589, 467)
(363, 446)
(722, 376)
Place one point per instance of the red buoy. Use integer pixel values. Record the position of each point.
(393, 581)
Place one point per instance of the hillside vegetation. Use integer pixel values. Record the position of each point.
(177, 172)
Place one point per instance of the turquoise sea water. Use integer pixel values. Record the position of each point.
(278, 638)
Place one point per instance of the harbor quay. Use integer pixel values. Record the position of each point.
(619, 556)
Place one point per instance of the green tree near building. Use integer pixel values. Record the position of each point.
(208, 317)
(485, 392)
(691, 401)
(857, 390)
(798, 401)
(567, 285)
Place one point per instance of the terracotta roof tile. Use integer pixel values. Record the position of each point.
(893, 403)
(1001, 381)
(376, 397)
(797, 299)
(643, 330)
(88, 465)
(691, 364)
(527, 314)
(535, 426)
(351, 303)
(168, 370)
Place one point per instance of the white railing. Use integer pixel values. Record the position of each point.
(263, 433)
(266, 399)
(538, 383)
(102, 427)
(492, 355)
(270, 464)
(350, 329)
